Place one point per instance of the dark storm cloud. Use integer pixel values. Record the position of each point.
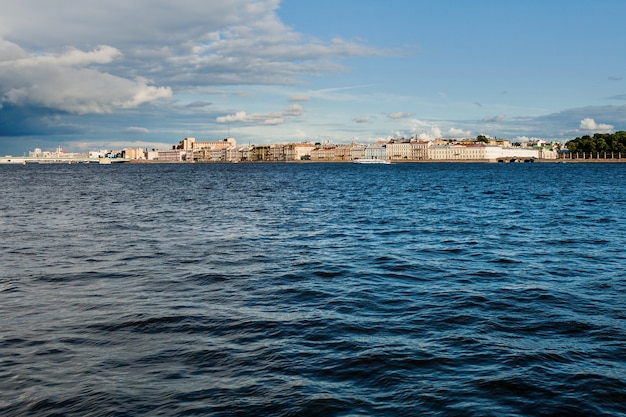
(30, 121)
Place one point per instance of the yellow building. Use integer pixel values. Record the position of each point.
(171, 156)
(298, 151)
(323, 153)
(277, 152)
(342, 152)
(134, 153)
(399, 151)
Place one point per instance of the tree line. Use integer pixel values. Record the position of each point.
(599, 142)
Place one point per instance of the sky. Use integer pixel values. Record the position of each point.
(94, 75)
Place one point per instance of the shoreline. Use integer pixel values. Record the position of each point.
(56, 161)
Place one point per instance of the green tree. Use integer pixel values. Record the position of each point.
(572, 146)
(600, 142)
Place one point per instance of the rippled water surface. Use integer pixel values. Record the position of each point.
(313, 289)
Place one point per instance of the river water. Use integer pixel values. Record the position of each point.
(313, 290)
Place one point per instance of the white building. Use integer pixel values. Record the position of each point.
(376, 152)
(480, 152)
(37, 153)
(233, 154)
(455, 153)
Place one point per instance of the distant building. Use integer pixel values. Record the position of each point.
(298, 151)
(277, 152)
(452, 152)
(37, 153)
(260, 153)
(342, 153)
(399, 151)
(505, 153)
(175, 155)
(357, 152)
(232, 154)
(479, 152)
(419, 149)
(134, 153)
(323, 153)
(391, 149)
(190, 144)
(246, 153)
(376, 151)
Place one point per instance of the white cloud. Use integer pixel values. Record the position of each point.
(182, 44)
(274, 121)
(424, 130)
(458, 133)
(10, 51)
(435, 132)
(68, 82)
(416, 124)
(39, 23)
(136, 129)
(399, 115)
(526, 139)
(362, 119)
(300, 134)
(275, 118)
(590, 124)
(240, 116)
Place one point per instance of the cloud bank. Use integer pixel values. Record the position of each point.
(68, 59)
(69, 82)
(180, 44)
(268, 119)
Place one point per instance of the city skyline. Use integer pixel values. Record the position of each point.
(140, 73)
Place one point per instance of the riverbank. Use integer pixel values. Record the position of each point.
(26, 161)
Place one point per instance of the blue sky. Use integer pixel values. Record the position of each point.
(138, 73)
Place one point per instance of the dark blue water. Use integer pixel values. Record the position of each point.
(313, 290)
